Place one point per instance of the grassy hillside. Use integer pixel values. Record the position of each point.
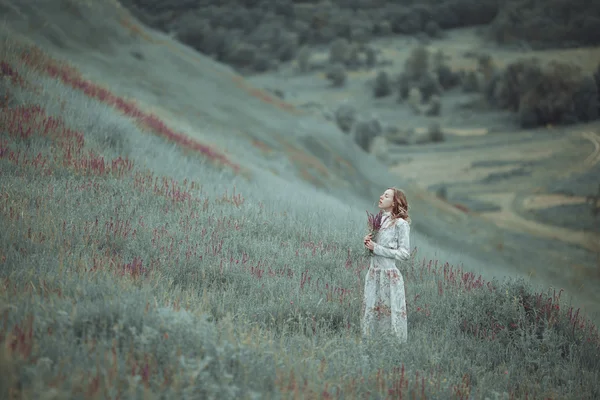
(141, 262)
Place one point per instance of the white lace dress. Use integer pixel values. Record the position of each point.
(384, 303)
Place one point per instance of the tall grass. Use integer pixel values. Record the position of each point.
(131, 270)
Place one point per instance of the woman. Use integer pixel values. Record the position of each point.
(384, 304)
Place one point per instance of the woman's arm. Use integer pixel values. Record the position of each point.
(403, 252)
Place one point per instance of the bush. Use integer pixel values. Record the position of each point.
(558, 94)
(360, 55)
(434, 106)
(339, 51)
(586, 99)
(345, 116)
(383, 28)
(361, 28)
(242, 55)
(285, 46)
(336, 74)
(433, 29)
(434, 131)
(444, 74)
(303, 59)
(446, 77)
(382, 85)
(365, 131)
(429, 86)
(199, 36)
(379, 148)
(514, 81)
(415, 99)
(417, 75)
(417, 63)
(353, 60)
(470, 81)
(263, 62)
(370, 56)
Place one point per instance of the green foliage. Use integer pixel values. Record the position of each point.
(556, 93)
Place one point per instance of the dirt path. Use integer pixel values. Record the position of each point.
(471, 166)
(507, 218)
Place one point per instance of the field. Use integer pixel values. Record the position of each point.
(128, 278)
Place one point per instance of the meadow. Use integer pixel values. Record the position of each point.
(137, 263)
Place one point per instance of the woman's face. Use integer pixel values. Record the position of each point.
(386, 200)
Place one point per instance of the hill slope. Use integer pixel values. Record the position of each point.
(207, 102)
(171, 230)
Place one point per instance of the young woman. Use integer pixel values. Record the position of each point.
(384, 304)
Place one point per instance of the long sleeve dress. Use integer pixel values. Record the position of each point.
(384, 303)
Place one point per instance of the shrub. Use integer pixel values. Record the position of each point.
(336, 74)
(339, 50)
(345, 116)
(370, 55)
(434, 106)
(429, 85)
(446, 77)
(303, 59)
(353, 60)
(485, 65)
(514, 82)
(417, 74)
(242, 55)
(433, 29)
(199, 36)
(417, 63)
(552, 97)
(365, 131)
(379, 148)
(470, 82)
(382, 85)
(285, 46)
(361, 28)
(585, 99)
(404, 86)
(302, 28)
(434, 131)
(263, 62)
(383, 28)
(415, 99)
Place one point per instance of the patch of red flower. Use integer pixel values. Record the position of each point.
(264, 96)
(6, 70)
(71, 77)
(25, 122)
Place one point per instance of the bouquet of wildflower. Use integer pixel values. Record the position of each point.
(373, 225)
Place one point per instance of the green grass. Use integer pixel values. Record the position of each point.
(132, 270)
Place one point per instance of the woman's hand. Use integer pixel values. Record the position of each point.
(368, 237)
(370, 244)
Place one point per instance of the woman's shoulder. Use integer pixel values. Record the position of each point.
(400, 222)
